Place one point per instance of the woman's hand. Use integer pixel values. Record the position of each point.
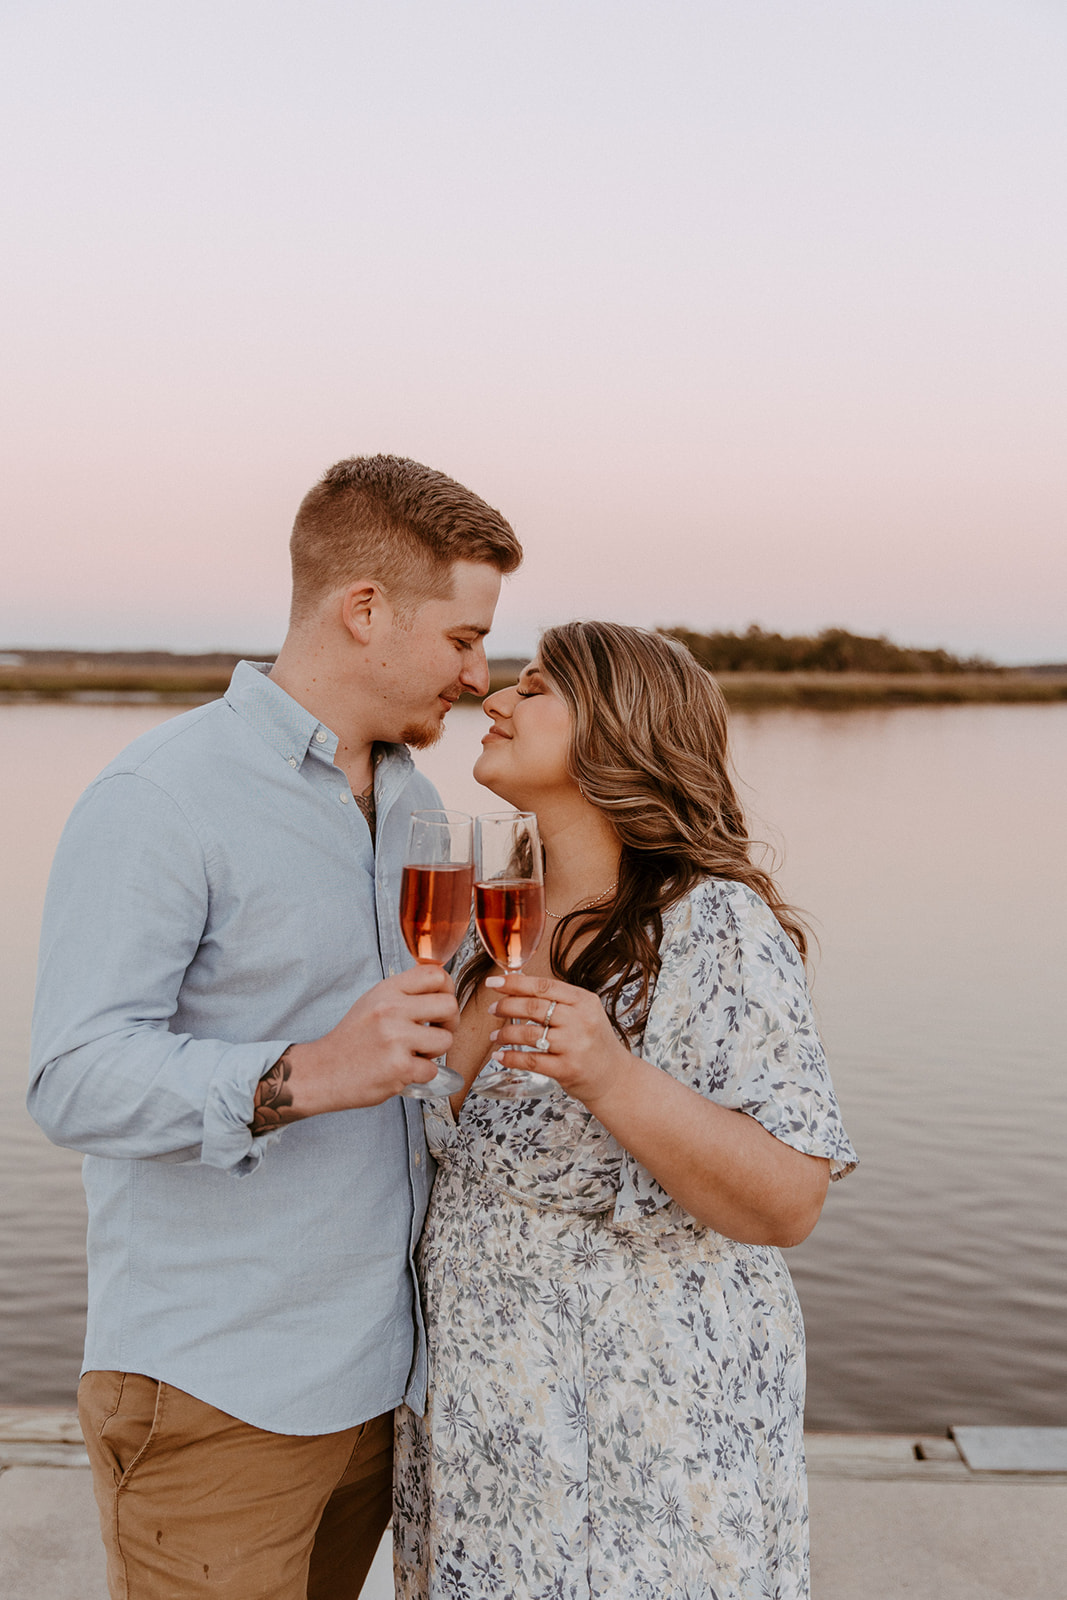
(719, 1164)
(581, 1050)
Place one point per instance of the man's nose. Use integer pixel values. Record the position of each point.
(475, 675)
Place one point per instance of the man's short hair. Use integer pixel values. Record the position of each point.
(396, 522)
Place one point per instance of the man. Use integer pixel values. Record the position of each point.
(226, 1015)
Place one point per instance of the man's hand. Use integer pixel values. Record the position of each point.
(378, 1046)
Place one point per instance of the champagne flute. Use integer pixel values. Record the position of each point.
(435, 908)
(509, 914)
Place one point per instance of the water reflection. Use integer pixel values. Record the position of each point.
(925, 845)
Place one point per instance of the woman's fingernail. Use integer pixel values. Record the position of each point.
(494, 1035)
(492, 1009)
(495, 982)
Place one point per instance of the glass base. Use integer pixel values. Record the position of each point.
(445, 1083)
(508, 1083)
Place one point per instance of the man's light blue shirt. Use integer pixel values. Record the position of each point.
(215, 897)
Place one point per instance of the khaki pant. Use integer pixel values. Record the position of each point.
(193, 1502)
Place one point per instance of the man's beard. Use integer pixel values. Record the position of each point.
(421, 735)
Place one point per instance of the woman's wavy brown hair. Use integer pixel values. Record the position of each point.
(649, 750)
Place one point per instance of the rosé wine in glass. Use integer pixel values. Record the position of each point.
(509, 914)
(435, 908)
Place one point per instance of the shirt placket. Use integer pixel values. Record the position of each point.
(390, 782)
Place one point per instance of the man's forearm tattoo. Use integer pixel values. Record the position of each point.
(272, 1103)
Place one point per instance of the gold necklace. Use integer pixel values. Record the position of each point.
(558, 916)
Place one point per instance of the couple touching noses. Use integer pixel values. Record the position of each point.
(594, 1354)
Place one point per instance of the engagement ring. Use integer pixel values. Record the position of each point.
(542, 1045)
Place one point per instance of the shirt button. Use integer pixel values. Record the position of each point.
(320, 737)
(418, 1158)
(293, 761)
(344, 797)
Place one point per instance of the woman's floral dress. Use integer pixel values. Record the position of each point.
(616, 1393)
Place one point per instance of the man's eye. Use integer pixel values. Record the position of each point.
(463, 644)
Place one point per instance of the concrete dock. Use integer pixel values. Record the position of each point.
(893, 1517)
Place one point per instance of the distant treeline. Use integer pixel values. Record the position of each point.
(833, 650)
(834, 671)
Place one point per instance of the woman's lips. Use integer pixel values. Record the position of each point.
(494, 733)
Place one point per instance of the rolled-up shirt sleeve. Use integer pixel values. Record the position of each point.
(127, 906)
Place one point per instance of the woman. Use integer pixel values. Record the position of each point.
(617, 1372)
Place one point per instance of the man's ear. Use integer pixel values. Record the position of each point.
(362, 604)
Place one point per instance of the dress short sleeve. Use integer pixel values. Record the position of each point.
(732, 1018)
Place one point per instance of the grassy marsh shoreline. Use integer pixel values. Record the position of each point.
(154, 678)
(830, 691)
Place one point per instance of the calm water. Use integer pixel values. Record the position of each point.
(927, 847)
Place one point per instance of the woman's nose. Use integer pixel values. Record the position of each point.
(499, 703)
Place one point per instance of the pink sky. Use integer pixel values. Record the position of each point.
(739, 313)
